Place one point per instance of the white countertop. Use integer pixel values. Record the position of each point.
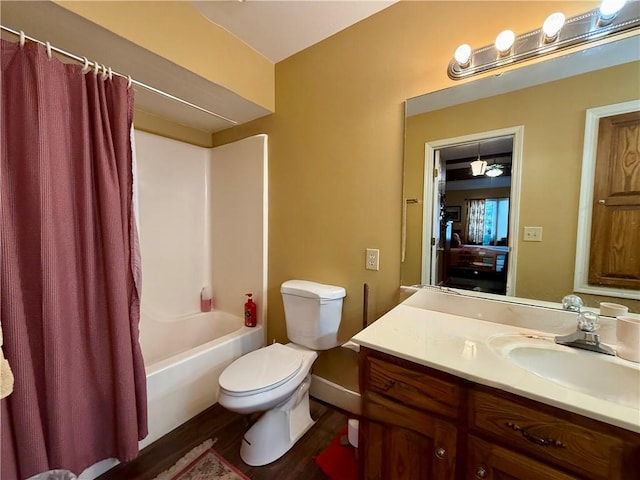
(460, 345)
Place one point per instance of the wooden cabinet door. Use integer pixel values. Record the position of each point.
(615, 225)
(486, 461)
(389, 452)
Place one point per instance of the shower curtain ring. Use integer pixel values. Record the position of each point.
(22, 39)
(110, 74)
(96, 68)
(48, 50)
(85, 67)
(104, 72)
(128, 81)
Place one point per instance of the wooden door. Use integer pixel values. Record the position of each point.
(614, 259)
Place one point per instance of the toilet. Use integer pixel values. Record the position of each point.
(276, 379)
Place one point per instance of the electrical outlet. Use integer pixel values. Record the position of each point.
(372, 260)
(532, 234)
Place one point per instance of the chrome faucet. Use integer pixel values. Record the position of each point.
(584, 336)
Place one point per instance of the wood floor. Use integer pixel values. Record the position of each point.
(228, 428)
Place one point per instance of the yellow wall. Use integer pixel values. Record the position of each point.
(336, 142)
(553, 116)
(336, 139)
(177, 32)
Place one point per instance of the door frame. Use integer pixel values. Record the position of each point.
(583, 242)
(431, 191)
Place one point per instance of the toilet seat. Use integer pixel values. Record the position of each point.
(261, 370)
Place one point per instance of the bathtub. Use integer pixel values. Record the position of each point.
(183, 360)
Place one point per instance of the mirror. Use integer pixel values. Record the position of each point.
(548, 101)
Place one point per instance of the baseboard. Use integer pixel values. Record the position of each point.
(335, 394)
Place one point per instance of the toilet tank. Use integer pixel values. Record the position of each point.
(313, 312)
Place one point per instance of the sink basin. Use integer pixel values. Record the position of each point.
(594, 374)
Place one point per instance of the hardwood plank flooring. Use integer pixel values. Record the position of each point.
(228, 428)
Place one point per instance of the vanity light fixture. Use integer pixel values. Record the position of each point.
(557, 33)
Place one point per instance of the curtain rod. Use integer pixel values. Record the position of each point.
(134, 82)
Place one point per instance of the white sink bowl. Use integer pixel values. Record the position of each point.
(595, 374)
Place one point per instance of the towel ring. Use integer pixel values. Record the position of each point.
(48, 50)
(22, 39)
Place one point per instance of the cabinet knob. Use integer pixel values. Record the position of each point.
(440, 453)
(481, 472)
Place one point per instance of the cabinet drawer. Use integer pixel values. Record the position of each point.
(489, 461)
(552, 439)
(413, 388)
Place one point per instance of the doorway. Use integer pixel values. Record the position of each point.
(471, 208)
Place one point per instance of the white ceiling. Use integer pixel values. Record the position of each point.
(279, 29)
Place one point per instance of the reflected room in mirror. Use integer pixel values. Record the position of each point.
(518, 231)
(475, 187)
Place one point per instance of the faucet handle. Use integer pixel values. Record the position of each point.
(572, 303)
(588, 322)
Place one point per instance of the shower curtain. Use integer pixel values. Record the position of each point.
(69, 268)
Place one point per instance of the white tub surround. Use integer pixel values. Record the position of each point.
(463, 343)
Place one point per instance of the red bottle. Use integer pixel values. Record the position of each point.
(250, 319)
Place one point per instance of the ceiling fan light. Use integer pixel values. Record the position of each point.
(494, 171)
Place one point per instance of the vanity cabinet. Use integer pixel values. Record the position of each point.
(420, 423)
(408, 430)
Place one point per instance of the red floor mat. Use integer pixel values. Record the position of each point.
(338, 462)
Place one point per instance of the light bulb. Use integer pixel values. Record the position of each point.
(504, 41)
(552, 26)
(610, 8)
(463, 55)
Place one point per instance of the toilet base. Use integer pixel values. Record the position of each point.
(278, 429)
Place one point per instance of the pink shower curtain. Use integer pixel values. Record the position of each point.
(69, 268)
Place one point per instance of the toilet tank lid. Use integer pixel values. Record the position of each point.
(304, 288)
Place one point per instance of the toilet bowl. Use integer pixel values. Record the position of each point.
(264, 378)
(276, 379)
